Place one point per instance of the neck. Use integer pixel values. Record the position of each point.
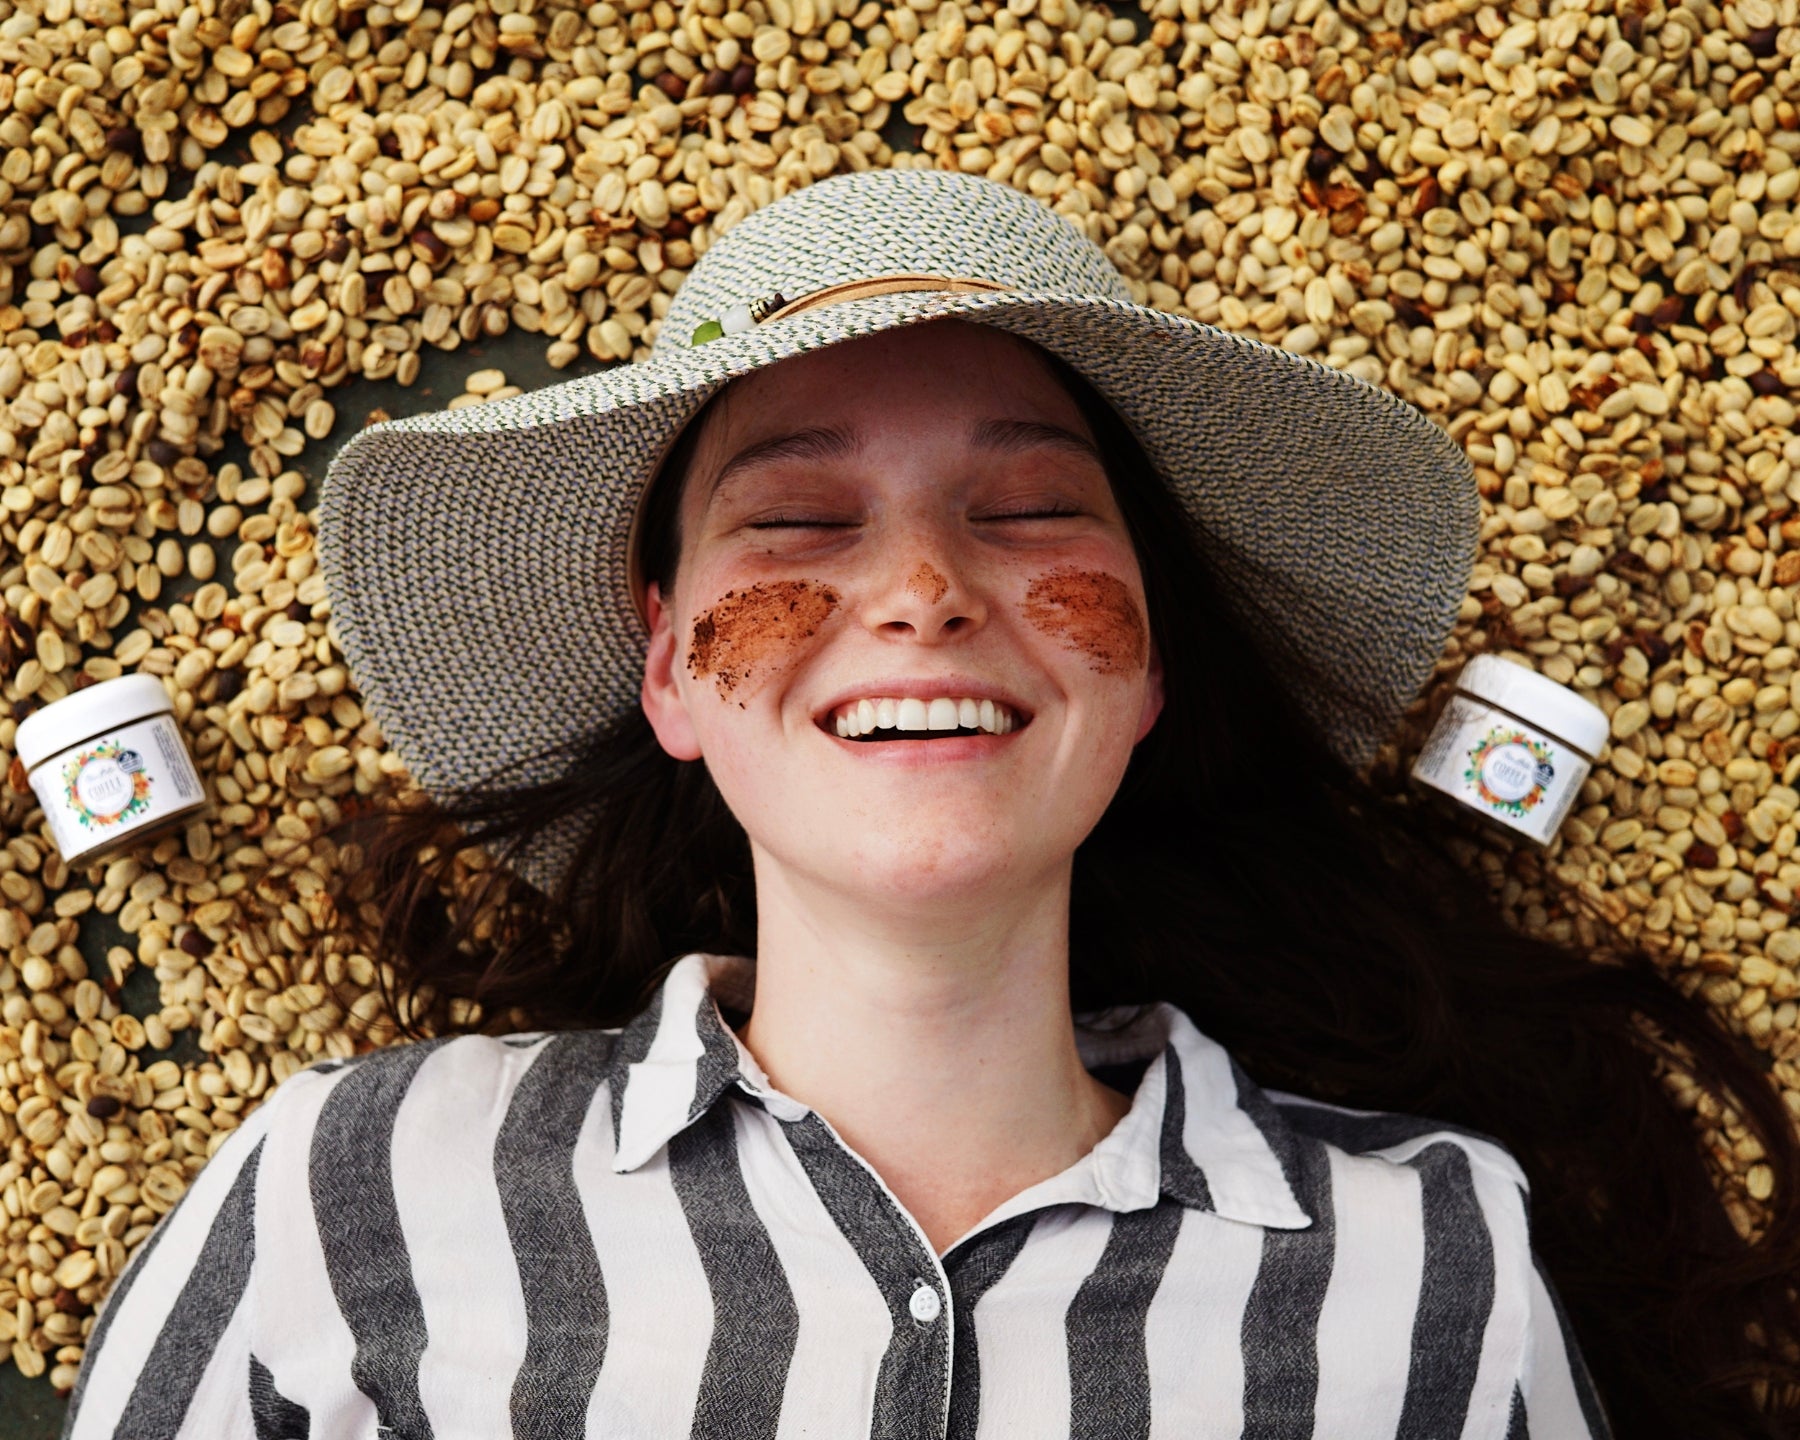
(940, 1046)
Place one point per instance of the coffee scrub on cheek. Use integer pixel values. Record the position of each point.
(748, 635)
(1091, 612)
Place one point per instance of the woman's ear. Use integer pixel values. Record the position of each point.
(660, 697)
(1153, 694)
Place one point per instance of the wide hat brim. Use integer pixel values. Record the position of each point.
(475, 560)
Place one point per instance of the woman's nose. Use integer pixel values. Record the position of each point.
(927, 595)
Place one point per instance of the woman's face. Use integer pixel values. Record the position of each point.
(887, 529)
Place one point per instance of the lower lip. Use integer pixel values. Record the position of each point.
(949, 749)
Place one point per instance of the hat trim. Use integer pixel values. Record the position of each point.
(883, 285)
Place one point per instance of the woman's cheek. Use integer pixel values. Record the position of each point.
(752, 634)
(1093, 613)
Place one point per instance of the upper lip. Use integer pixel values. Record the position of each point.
(920, 688)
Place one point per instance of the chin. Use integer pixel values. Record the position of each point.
(923, 868)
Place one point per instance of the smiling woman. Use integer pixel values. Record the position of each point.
(894, 1050)
(958, 454)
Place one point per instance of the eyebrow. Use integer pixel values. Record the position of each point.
(832, 442)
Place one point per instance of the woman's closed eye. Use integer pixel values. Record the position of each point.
(797, 522)
(1033, 512)
(815, 522)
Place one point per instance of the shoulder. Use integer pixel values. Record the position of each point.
(1391, 1137)
(473, 1076)
(1446, 1208)
(1463, 1187)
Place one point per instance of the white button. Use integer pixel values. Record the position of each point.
(925, 1305)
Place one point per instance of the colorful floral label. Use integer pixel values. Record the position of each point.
(110, 786)
(1510, 770)
(106, 785)
(1504, 770)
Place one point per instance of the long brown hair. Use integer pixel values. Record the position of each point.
(1308, 918)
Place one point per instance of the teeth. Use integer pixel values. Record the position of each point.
(859, 717)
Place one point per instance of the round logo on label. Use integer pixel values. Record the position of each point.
(1510, 771)
(106, 785)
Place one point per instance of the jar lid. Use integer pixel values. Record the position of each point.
(1539, 699)
(85, 713)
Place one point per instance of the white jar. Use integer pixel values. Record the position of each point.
(1513, 746)
(110, 768)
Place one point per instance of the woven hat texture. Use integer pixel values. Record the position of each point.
(475, 560)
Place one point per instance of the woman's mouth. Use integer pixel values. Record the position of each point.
(910, 718)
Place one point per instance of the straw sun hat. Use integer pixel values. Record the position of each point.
(477, 561)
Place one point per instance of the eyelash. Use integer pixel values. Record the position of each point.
(783, 522)
(1054, 512)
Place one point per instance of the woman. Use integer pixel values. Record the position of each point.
(982, 751)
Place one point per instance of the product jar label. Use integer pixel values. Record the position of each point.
(1502, 768)
(119, 781)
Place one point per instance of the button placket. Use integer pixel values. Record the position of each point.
(927, 1354)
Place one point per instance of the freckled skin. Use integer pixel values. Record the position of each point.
(1093, 613)
(927, 584)
(757, 631)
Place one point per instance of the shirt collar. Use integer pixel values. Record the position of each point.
(1199, 1130)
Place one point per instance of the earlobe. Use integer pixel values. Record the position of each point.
(1153, 695)
(660, 696)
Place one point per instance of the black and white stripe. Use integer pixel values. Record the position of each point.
(560, 1284)
(626, 1232)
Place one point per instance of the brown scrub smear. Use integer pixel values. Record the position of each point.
(927, 584)
(761, 628)
(1093, 612)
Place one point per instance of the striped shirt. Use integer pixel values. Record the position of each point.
(631, 1233)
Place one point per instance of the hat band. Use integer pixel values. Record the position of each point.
(736, 319)
(881, 285)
